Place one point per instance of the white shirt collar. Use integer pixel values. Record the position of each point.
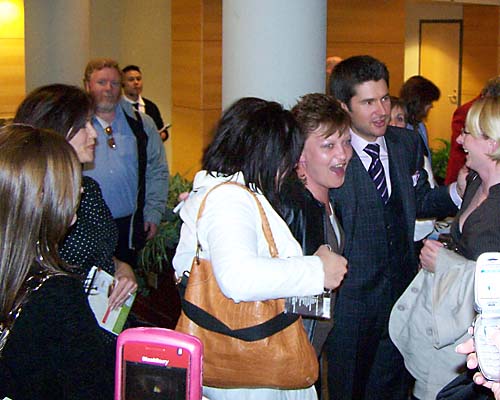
(358, 143)
(139, 100)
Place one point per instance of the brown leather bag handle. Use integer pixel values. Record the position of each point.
(266, 228)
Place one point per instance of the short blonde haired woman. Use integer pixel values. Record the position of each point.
(433, 315)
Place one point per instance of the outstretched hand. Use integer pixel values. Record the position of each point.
(472, 363)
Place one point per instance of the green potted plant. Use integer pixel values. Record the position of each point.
(440, 160)
(158, 252)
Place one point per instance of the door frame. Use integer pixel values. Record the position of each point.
(460, 23)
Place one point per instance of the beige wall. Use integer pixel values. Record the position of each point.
(197, 80)
(137, 32)
(131, 31)
(480, 40)
(480, 48)
(105, 28)
(352, 29)
(12, 72)
(415, 11)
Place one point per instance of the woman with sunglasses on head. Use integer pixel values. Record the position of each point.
(441, 298)
(50, 344)
(92, 240)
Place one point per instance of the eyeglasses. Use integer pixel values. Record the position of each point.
(481, 134)
(111, 140)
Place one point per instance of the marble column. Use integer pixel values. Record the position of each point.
(273, 49)
(57, 41)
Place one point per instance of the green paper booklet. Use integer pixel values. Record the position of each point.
(98, 286)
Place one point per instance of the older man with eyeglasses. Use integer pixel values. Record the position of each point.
(130, 163)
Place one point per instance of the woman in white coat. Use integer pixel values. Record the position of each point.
(257, 143)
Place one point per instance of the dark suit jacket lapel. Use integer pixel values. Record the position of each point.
(357, 188)
(399, 169)
(396, 163)
(342, 238)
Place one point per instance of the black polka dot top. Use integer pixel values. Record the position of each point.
(92, 239)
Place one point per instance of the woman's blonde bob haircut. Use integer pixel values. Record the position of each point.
(40, 180)
(483, 121)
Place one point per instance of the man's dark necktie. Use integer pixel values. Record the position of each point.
(376, 170)
(136, 106)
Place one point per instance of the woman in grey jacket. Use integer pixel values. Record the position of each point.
(434, 313)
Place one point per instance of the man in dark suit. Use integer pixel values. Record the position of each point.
(385, 190)
(132, 89)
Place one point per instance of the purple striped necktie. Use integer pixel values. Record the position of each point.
(376, 170)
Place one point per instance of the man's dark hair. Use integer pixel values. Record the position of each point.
(416, 93)
(315, 109)
(492, 88)
(354, 71)
(131, 68)
(258, 138)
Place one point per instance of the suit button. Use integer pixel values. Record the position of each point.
(401, 307)
(391, 243)
(429, 331)
(388, 226)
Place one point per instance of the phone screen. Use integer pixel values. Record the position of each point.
(152, 382)
(155, 372)
(488, 283)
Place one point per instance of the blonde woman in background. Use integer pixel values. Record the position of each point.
(433, 315)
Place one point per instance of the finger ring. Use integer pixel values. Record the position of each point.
(130, 293)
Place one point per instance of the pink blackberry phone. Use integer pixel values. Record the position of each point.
(157, 363)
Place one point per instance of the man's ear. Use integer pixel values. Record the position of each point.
(86, 86)
(345, 107)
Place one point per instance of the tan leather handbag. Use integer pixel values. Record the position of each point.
(247, 344)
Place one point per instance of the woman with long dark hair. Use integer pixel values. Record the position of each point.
(92, 240)
(50, 344)
(257, 144)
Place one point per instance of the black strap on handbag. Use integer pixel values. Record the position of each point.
(249, 334)
(211, 323)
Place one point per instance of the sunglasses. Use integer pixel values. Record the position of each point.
(111, 140)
